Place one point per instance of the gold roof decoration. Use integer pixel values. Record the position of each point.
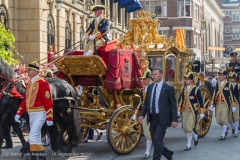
(142, 31)
(143, 34)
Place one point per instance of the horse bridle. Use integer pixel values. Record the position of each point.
(5, 85)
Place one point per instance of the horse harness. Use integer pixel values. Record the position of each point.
(12, 92)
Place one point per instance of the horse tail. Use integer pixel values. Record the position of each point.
(75, 118)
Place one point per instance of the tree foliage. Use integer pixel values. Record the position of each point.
(7, 48)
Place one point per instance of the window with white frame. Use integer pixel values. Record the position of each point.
(235, 34)
(163, 32)
(197, 40)
(197, 12)
(184, 8)
(158, 7)
(235, 16)
(227, 13)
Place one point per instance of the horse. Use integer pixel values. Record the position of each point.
(66, 115)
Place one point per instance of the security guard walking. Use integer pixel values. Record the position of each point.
(234, 65)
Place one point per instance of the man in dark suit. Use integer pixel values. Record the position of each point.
(161, 109)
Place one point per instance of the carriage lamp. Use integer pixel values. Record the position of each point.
(191, 57)
(59, 4)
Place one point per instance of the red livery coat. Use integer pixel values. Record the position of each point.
(37, 98)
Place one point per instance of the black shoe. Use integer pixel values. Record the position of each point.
(146, 156)
(85, 141)
(233, 131)
(222, 138)
(196, 142)
(187, 148)
(99, 137)
(42, 155)
(8, 146)
(171, 154)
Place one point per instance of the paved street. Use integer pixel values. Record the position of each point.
(209, 148)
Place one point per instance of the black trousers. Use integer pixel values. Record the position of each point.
(157, 134)
(8, 137)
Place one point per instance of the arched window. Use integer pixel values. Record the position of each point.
(4, 17)
(50, 31)
(81, 35)
(67, 35)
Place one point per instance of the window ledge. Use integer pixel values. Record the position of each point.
(184, 17)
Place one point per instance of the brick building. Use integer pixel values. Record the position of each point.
(201, 19)
(36, 24)
(231, 9)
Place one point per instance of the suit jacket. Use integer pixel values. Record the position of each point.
(102, 26)
(166, 104)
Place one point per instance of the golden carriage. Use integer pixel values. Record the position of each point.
(141, 43)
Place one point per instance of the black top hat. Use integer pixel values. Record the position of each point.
(98, 7)
(233, 54)
(189, 75)
(33, 65)
(222, 71)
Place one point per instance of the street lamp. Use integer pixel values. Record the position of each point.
(205, 58)
(59, 4)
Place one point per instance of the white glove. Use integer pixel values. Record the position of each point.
(83, 38)
(234, 109)
(202, 116)
(92, 37)
(134, 117)
(17, 118)
(49, 123)
(178, 114)
(79, 90)
(211, 107)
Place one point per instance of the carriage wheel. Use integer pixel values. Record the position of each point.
(203, 125)
(123, 134)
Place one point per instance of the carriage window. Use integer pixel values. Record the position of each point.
(155, 62)
(170, 69)
(180, 69)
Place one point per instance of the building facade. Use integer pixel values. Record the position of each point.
(36, 24)
(231, 9)
(201, 20)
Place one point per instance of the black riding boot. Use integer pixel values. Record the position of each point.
(34, 155)
(42, 155)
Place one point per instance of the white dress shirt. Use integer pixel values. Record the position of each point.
(97, 19)
(158, 91)
(34, 78)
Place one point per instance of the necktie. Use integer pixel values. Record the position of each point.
(153, 100)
